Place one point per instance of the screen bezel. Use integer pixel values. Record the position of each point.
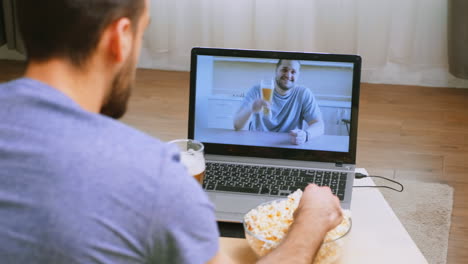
(273, 152)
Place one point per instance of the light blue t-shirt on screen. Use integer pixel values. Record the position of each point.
(287, 112)
(78, 187)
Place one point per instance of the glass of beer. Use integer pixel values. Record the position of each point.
(192, 157)
(266, 85)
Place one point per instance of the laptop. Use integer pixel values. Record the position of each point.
(250, 165)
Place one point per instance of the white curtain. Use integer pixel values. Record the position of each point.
(401, 41)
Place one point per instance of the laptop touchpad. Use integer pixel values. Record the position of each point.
(237, 203)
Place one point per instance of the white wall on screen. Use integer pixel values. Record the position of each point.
(204, 89)
(237, 77)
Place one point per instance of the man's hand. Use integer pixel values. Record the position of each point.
(244, 113)
(258, 104)
(318, 205)
(298, 136)
(318, 212)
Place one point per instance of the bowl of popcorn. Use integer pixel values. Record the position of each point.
(267, 224)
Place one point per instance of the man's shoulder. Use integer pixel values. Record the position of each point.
(303, 89)
(66, 129)
(114, 140)
(305, 93)
(115, 130)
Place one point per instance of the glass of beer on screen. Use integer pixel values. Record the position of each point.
(266, 85)
(192, 157)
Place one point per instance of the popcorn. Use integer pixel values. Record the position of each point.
(268, 224)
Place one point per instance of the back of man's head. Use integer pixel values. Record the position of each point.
(70, 29)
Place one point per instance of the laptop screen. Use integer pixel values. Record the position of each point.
(274, 104)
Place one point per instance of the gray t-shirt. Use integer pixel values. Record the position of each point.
(78, 187)
(287, 112)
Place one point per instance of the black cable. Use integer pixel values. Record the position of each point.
(360, 176)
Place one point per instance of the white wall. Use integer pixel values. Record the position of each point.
(204, 79)
(235, 78)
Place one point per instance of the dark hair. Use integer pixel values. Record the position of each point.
(281, 60)
(70, 29)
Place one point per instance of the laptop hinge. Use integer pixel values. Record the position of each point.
(339, 164)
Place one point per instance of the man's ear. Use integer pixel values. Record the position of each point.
(120, 39)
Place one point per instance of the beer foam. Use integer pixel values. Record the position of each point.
(193, 160)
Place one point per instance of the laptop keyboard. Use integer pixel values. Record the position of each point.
(273, 181)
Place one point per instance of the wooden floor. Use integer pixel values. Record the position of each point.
(404, 132)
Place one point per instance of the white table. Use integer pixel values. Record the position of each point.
(270, 139)
(377, 236)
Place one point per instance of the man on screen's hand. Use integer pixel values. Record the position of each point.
(298, 136)
(258, 105)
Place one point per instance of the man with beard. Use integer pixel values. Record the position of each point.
(291, 105)
(77, 186)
